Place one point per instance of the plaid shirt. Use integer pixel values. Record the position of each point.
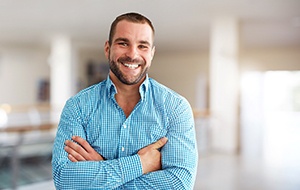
(94, 115)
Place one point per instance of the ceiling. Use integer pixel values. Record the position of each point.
(180, 25)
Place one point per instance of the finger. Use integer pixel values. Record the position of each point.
(160, 143)
(88, 152)
(83, 143)
(71, 158)
(76, 150)
(77, 147)
(73, 154)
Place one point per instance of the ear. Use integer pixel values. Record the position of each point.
(106, 49)
(152, 52)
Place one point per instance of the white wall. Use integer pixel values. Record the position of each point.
(264, 59)
(21, 68)
(184, 72)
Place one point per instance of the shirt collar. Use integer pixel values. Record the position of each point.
(112, 90)
(144, 88)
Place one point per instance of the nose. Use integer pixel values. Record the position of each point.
(132, 52)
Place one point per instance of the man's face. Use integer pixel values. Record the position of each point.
(131, 52)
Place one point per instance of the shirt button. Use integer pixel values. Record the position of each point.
(123, 149)
(125, 126)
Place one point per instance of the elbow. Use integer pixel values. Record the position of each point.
(183, 178)
(56, 177)
(57, 169)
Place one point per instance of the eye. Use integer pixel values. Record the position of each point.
(144, 47)
(124, 44)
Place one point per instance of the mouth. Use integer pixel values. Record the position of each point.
(131, 66)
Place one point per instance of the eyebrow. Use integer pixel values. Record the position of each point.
(145, 42)
(121, 40)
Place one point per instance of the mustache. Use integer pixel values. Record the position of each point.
(128, 59)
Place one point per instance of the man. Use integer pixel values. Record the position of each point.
(129, 131)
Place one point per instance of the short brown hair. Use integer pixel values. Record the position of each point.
(131, 17)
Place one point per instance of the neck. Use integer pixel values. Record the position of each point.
(128, 95)
(125, 89)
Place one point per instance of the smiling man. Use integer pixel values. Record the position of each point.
(128, 131)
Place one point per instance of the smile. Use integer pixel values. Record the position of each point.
(131, 66)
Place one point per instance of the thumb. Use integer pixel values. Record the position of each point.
(160, 143)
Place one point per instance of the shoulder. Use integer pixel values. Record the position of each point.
(89, 95)
(170, 103)
(165, 95)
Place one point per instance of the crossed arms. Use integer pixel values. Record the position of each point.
(82, 151)
(79, 166)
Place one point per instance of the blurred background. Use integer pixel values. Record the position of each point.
(236, 61)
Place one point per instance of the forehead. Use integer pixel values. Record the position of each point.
(134, 31)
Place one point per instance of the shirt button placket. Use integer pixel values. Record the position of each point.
(124, 138)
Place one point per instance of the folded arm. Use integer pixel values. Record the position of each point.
(89, 174)
(150, 157)
(76, 165)
(179, 156)
(178, 159)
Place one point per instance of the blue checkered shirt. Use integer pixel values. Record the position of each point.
(94, 115)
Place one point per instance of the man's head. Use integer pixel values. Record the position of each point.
(130, 48)
(131, 17)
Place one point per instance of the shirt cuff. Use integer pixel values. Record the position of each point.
(131, 167)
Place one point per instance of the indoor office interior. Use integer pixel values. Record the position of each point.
(236, 62)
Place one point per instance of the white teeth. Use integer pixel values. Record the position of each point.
(131, 66)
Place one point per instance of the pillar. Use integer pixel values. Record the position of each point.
(224, 83)
(62, 74)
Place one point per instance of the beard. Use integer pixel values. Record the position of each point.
(115, 68)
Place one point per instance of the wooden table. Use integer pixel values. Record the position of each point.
(28, 128)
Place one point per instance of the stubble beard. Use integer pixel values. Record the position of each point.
(118, 73)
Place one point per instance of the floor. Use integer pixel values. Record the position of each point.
(231, 172)
(31, 171)
(215, 172)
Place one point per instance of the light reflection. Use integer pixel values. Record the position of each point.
(270, 118)
(3, 118)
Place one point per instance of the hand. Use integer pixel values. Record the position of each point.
(81, 151)
(151, 157)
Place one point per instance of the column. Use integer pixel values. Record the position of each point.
(224, 84)
(63, 74)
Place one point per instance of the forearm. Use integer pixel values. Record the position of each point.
(87, 174)
(179, 166)
(172, 178)
(179, 155)
(95, 174)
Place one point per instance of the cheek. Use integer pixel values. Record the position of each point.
(115, 54)
(112, 57)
